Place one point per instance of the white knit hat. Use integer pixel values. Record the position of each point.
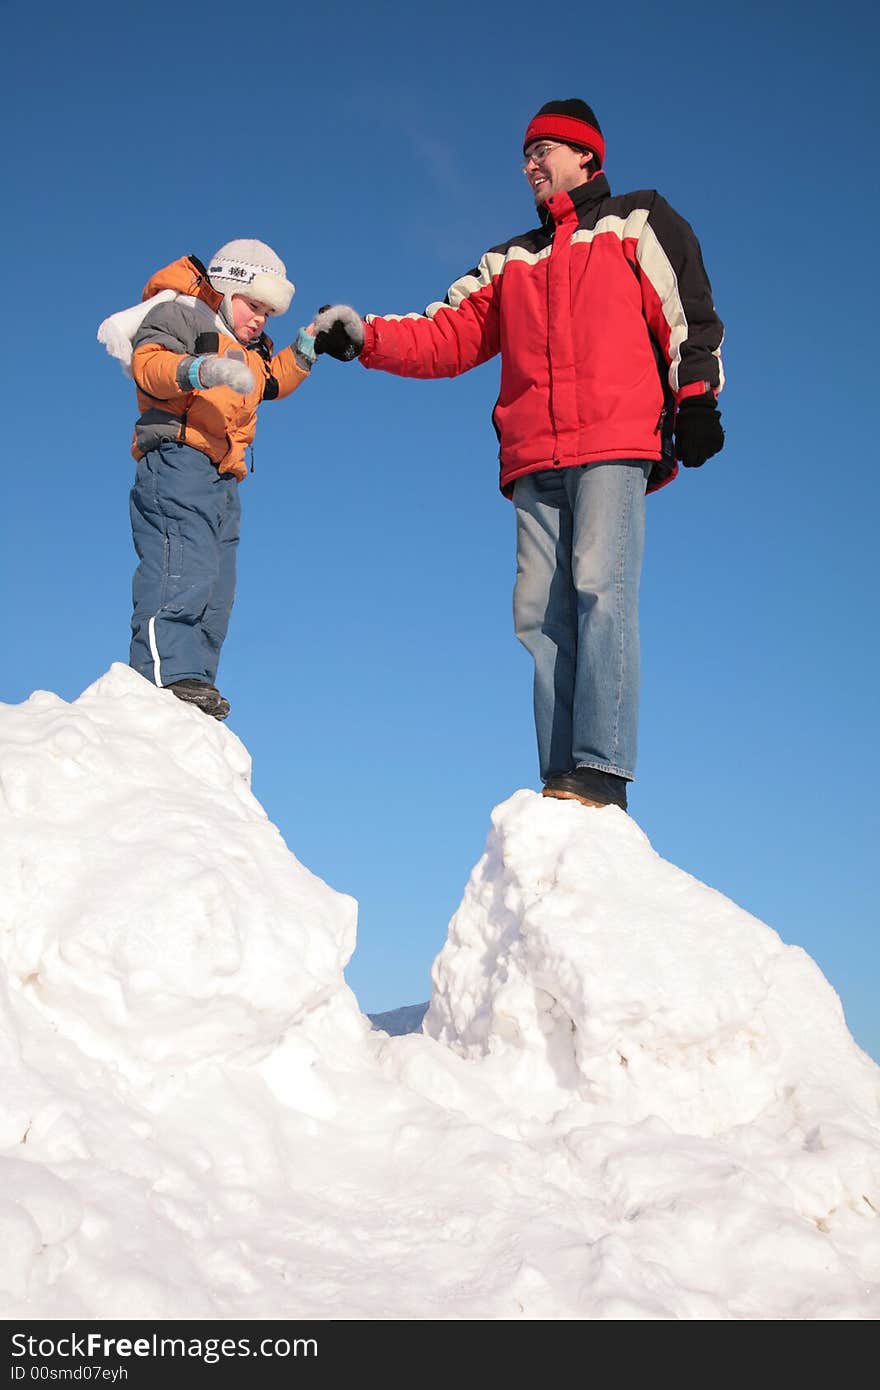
(251, 268)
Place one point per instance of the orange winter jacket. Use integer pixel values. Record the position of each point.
(218, 422)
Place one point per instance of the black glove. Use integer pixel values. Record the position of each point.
(698, 432)
(339, 331)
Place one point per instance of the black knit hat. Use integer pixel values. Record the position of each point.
(572, 122)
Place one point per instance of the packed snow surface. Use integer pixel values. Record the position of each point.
(630, 1099)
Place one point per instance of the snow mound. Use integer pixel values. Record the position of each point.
(588, 968)
(149, 906)
(630, 1099)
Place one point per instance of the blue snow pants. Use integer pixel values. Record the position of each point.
(185, 521)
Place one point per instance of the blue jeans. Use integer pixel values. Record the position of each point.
(185, 521)
(580, 539)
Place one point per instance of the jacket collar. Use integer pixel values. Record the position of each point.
(561, 204)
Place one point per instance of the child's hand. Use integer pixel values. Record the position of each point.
(304, 349)
(338, 330)
(213, 370)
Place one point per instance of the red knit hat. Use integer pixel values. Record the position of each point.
(572, 122)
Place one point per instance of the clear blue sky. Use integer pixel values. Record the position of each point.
(371, 663)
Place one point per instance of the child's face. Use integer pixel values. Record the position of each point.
(248, 317)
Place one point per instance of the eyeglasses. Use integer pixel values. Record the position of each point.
(538, 153)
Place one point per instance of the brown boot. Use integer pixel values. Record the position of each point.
(206, 697)
(592, 786)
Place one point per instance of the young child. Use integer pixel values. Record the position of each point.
(202, 363)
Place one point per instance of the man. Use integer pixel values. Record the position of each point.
(610, 371)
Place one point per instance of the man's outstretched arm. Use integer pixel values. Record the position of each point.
(449, 338)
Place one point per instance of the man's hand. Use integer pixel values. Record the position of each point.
(698, 432)
(212, 370)
(338, 331)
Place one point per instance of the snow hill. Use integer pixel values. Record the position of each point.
(630, 1099)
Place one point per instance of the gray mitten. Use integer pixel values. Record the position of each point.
(201, 373)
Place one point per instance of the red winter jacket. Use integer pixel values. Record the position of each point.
(604, 319)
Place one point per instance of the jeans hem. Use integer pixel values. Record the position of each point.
(610, 767)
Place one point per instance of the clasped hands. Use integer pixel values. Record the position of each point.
(336, 329)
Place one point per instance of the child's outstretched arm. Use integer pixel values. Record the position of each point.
(290, 367)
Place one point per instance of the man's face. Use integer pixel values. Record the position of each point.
(553, 168)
